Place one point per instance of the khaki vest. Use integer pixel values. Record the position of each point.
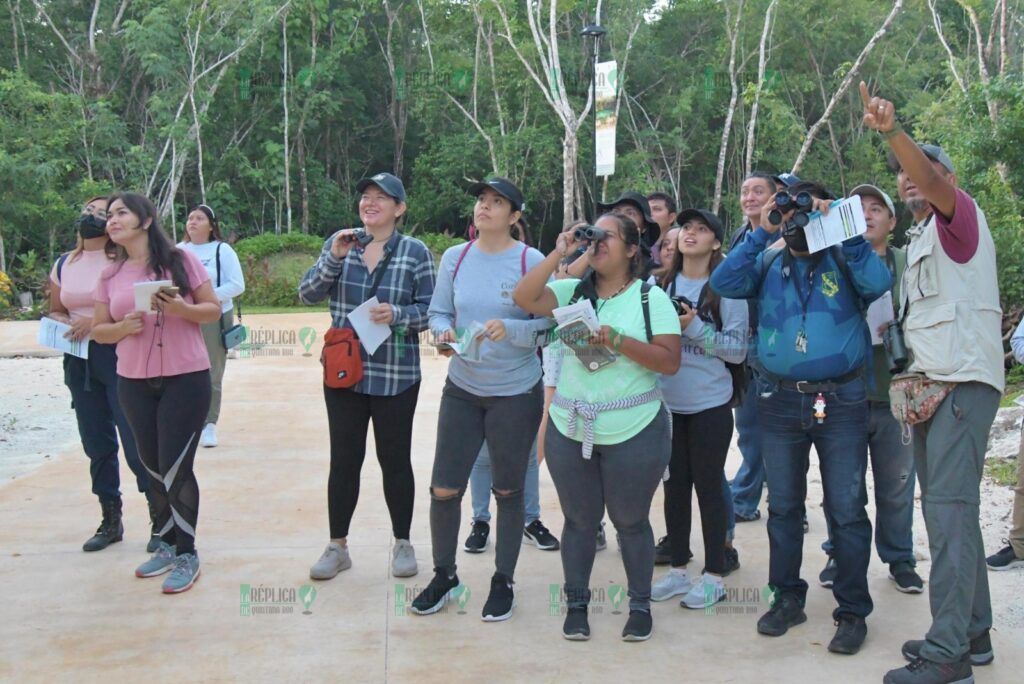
(953, 326)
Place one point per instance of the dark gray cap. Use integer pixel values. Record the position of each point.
(387, 182)
(933, 152)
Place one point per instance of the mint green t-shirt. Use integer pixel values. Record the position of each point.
(625, 377)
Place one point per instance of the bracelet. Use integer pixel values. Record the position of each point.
(892, 133)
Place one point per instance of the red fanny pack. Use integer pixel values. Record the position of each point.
(343, 365)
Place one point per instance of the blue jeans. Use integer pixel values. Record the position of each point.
(480, 487)
(749, 480)
(841, 442)
(892, 464)
(730, 510)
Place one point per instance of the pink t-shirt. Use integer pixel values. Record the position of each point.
(77, 281)
(142, 356)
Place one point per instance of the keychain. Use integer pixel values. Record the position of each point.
(819, 408)
(801, 342)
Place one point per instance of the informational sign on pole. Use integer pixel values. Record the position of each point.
(606, 76)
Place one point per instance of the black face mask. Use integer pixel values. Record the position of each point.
(795, 238)
(90, 226)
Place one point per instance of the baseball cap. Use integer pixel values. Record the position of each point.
(502, 186)
(638, 201)
(786, 179)
(867, 190)
(387, 182)
(933, 152)
(707, 217)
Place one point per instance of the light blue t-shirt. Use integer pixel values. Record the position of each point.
(482, 292)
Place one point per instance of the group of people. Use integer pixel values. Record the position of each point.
(650, 397)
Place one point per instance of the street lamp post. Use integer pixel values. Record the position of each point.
(594, 31)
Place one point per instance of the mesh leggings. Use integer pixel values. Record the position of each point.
(166, 415)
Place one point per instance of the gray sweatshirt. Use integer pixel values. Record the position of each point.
(703, 381)
(483, 292)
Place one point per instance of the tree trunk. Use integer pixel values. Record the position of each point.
(723, 147)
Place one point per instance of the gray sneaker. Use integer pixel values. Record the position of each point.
(335, 558)
(403, 559)
(184, 574)
(161, 562)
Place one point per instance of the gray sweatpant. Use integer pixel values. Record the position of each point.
(218, 359)
(949, 453)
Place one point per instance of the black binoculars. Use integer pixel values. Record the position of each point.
(360, 236)
(895, 347)
(802, 203)
(678, 302)
(589, 234)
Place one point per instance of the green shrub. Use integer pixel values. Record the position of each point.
(261, 246)
(438, 243)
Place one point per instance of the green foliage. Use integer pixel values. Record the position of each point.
(261, 246)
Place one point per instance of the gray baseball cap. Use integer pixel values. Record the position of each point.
(387, 182)
(933, 152)
(867, 190)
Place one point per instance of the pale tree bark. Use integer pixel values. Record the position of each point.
(844, 85)
(951, 59)
(762, 62)
(552, 86)
(14, 30)
(733, 30)
(398, 109)
(284, 101)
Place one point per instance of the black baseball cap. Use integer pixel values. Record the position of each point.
(641, 203)
(933, 152)
(707, 217)
(389, 183)
(502, 186)
(786, 179)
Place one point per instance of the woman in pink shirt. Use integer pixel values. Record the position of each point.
(93, 381)
(163, 371)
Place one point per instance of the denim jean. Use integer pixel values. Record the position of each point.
(749, 480)
(892, 464)
(480, 487)
(789, 430)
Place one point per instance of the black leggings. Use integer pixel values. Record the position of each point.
(167, 415)
(348, 416)
(700, 444)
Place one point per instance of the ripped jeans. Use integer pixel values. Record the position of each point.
(509, 427)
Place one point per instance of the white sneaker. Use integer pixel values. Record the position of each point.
(209, 436)
(334, 559)
(673, 583)
(705, 593)
(403, 559)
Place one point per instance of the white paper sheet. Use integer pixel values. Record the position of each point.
(371, 335)
(845, 220)
(144, 292)
(879, 313)
(582, 310)
(51, 334)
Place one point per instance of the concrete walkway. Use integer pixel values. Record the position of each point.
(68, 615)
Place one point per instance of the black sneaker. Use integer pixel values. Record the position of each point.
(662, 552)
(849, 635)
(476, 542)
(602, 540)
(576, 626)
(921, 671)
(742, 518)
(785, 612)
(500, 601)
(638, 627)
(437, 593)
(732, 561)
(828, 576)
(906, 578)
(981, 650)
(1004, 559)
(535, 533)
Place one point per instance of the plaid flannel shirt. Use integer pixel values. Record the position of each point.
(407, 286)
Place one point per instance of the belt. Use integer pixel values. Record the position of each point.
(589, 411)
(815, 386)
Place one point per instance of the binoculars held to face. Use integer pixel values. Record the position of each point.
(589, 234)
(801, 203)
(360, 236)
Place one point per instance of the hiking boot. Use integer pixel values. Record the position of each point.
(110, 530)
(184, 574)
(535, 533)
(476, 542)
(403, 559)
(850, 634)
(638, 627)
(500, 601)
(921, 671)
(576, 626)
(333, 560)
(906, 578)
(785, 612)
(437, 593)
(161, 562)
(980, 654)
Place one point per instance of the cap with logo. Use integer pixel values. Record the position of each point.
(390, 184)
(868, 190)
(713, 222)
(786, 179)
(502, 186)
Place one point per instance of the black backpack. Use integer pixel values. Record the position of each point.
(587, 288)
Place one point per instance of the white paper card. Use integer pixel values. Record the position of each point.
(582, 310)
(879, 313)
(51, 334)
(144, 292)
(371, 335)
(845, 220)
